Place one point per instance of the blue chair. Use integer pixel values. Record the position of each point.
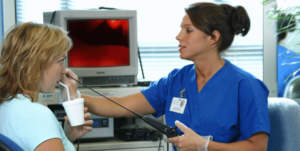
(285, 124)
(7, 144)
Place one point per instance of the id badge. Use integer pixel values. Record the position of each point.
(178, 105)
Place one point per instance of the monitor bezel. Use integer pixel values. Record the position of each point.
(61, 20)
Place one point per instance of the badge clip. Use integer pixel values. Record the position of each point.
(182, 93)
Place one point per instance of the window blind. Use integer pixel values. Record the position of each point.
(158, 24)
(159, 61)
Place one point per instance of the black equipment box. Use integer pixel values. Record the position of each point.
(138, 134)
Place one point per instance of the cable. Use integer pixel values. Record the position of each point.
(137, 126)
(141, 63)
(167, 146)
(52, 18)
(78, 141)
(159, 143)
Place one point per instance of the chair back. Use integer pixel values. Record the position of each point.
(7, 144)
(285, 124)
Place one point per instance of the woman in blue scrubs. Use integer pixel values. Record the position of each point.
(287, 60)
(224, 108)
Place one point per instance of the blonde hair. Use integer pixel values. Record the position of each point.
(25, 52)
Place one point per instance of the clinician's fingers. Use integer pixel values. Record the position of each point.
(181, 126)
(72, 74)
(173, 140)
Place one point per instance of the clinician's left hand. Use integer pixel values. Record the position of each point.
(190, 141)
(76, 132)
(72, 85)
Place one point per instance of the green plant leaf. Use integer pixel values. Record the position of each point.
(264, 1)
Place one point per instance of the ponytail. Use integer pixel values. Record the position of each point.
(240, 21)
(286, 23)
(239, 18)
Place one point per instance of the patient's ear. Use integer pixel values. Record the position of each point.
(213, 41)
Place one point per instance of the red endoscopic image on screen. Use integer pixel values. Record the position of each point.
(99, 43)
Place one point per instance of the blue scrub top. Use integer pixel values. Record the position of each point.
(284, 71)
(232, 105)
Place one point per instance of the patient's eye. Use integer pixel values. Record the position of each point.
(62, 60)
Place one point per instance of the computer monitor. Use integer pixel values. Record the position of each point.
(104, 51)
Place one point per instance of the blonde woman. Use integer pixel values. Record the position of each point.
(32, 62)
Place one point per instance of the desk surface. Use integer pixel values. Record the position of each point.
(117, 144)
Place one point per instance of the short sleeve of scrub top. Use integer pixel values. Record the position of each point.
(232, 105)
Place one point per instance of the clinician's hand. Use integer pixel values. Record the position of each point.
(190, 141)
(76, 132)
(72, 85)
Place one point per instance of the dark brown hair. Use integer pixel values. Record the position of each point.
(286, 23)
(224, 18)
(26, 51)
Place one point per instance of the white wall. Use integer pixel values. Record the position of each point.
(8, 14)
(1, 19)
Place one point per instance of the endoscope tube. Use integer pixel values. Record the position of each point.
(165, 129)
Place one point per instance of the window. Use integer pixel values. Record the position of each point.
(158, 25)
(1, 20)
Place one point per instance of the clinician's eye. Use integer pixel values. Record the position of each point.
(189, 31)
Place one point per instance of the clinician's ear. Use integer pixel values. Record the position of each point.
(214, 40)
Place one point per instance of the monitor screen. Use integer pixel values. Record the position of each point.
(99, 43)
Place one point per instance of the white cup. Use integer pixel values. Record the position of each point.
(75, 111)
